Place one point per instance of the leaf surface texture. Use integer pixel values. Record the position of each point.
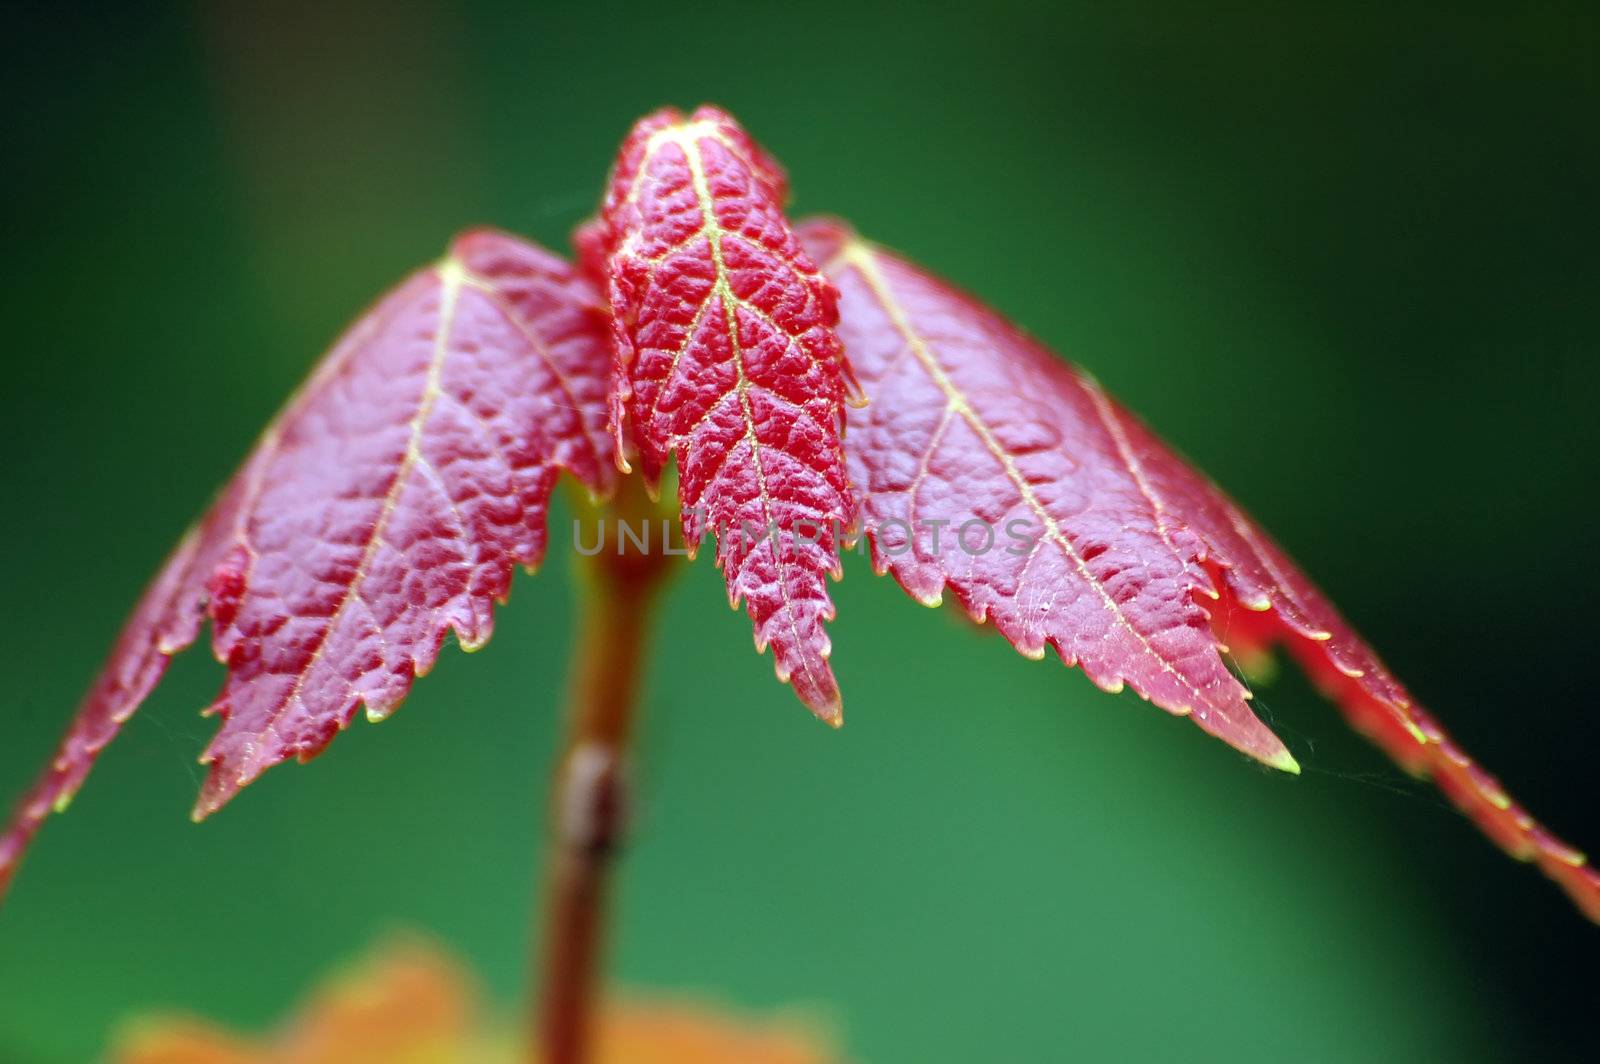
(727, 360)
(1126, 561)
(386, 506)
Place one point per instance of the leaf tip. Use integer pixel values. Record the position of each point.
(219, 788)
(1283, 761)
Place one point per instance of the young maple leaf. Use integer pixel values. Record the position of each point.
(1115, 545)
(727, 359)
(387, 505)
(390, 502)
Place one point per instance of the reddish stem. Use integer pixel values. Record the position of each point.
(590, 800)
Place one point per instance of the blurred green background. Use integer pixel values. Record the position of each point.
(1344, 258)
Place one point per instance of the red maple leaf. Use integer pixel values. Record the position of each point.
(390, 502)
(387, 505)
(1110, 549)
(728, 361)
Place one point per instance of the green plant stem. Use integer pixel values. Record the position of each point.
(590, 799)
